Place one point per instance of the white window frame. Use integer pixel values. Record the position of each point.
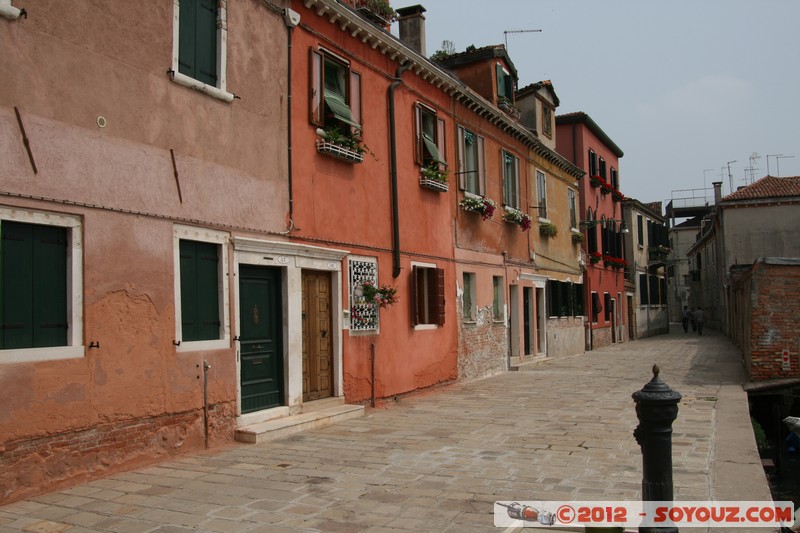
(74, 348)
(517, 193)
(427, 294)
(220, 91)
(470, 287)
(221, 238)
(8, 11)
(501, 300)
(572, 199)
(541, 199)
(351, 303)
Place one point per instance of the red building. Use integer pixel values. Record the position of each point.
(584, 143)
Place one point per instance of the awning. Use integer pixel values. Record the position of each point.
(339, 108)
(433, 150)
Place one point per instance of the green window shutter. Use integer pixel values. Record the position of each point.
(17, 254)
(50, 286)
(433, 150)
(34, 286)
(338, 108)
(199, 291)
(197, 40)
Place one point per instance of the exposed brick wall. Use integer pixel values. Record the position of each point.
(482, 345)
(601, 337)
(32, 466)
(766, 319)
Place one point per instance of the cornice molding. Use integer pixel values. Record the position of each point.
(387, 44)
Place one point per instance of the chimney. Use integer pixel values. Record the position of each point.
(412, 27)
(717, 191)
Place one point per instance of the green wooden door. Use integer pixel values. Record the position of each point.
(260, 329)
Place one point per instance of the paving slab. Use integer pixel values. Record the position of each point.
(558, 429)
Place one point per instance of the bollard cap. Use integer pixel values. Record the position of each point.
(656, 391)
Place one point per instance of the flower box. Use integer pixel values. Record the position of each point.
(339, 152)
(547, 229)
(596, 181)
(606, 188)
(508, 108)
(433, 184)
(378, 11)
(515, 216)
(577, 237)
(595, 257)
(614, 262)
(617, 195)
(478, 204)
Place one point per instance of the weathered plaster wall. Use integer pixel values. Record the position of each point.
(133, 399)
(565, 336)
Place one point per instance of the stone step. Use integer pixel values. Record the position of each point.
(289, 425)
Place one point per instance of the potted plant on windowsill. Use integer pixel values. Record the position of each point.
(548, 229)
(508, 107)
(595, 257)
(344, 146)
(431, 177)
(479, 204)
(515, 216)
(379, 11)
(606, 188)
(383, 296)
(596, 181)
(617, 195)
(577, 237)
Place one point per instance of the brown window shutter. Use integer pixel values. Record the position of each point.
(439, 296)
(462, 181)
(419, 150)
(315, 90)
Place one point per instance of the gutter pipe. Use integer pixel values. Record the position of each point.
(393, 156)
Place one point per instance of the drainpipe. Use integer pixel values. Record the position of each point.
(393, 156)
(292, 19)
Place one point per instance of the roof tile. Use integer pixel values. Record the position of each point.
(767, 187)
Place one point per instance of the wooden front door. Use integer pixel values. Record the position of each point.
(317, 345)
(260, 337)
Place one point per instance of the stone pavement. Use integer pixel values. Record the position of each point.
(436, 461)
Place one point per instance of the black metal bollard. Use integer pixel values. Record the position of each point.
(657, 409)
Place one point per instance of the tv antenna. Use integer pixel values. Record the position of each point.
(752, 168)
(505, 34)
(730, 176)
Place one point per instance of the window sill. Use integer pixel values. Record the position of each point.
(8, 11)
(339, 152)
(432, 184)
(197, 346)
(33, 355)
(575, 231)
(425, 327)
(544, 220)
(214, 92)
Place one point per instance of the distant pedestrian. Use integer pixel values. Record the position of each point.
(694, 322)
(687, 316)
(699, 319)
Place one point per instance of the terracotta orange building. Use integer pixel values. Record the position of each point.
(259, 212)
(142, 188)
(583, 142)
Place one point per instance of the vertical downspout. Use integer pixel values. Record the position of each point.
(292, 19)
(289, 127)
(393, 157)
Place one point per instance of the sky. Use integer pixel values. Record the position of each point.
(682, 87)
